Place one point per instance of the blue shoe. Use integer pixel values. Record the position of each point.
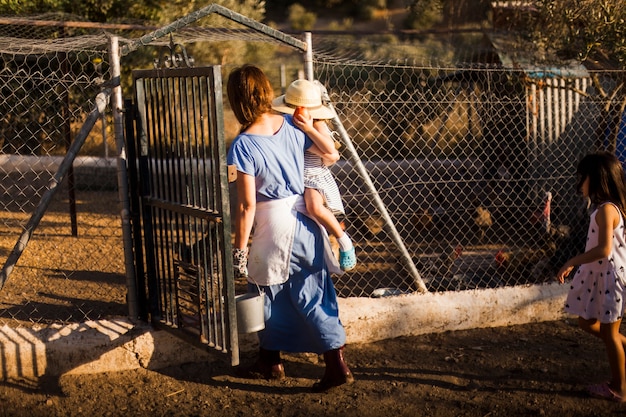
(347, 259)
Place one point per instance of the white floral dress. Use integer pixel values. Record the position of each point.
(597, 289)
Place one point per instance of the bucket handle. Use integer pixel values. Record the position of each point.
(261, 292)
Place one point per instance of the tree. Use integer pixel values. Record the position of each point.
(594, 32)
(591, 30)
(91, 10)
(300, 18)
(148, 11)
(219, 52)
(424, 14)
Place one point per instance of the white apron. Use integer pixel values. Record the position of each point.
(270, 251)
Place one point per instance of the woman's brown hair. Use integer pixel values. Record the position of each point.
(250, 94)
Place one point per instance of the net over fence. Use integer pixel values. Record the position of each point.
(472, 160)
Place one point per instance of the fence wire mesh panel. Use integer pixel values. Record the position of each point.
(474, 160)
(51, 68)
(73, 267)
(476, 167)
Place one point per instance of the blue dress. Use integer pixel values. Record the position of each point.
(301, 314)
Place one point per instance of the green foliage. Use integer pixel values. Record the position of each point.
(591, 30)
(155, 11)
(423, 14)
(345, 25)
(354, 6)
(366, 12)
(594, 32)
(366, 9)
(91, 10)
(175, 9)
(221, 52)
(301, 19)
(18, 7)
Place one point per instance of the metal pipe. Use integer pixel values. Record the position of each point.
(122, 179)
(380, 205)
(205, 11)
(308, 57)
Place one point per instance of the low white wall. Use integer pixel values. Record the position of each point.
(372, 319)
(27, 354)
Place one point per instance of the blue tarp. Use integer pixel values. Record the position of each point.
(620, 149)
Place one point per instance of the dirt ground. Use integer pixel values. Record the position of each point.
(538, 369)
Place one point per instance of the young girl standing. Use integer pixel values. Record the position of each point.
(597, 293)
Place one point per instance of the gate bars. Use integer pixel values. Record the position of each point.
(185, 205)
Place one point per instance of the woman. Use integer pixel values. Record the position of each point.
(289, 254)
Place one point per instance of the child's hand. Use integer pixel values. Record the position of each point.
(302, 119)
(564, 272)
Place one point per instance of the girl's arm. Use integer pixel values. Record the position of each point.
(323, 143)
(607, 218)
(245, 209)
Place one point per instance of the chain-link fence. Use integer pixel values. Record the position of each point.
(455, 174)
(72, 269)
(474, 163)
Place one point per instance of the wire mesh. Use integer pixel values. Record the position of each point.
(474, 162)
(475, 166)
(51, 69)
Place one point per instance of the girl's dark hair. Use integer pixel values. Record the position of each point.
(606, 179)
(250, 94)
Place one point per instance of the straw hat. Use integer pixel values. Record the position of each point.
(303, 93)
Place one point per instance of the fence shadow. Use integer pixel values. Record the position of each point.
(37, 357)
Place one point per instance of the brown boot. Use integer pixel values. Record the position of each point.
(336, 373)
(268, 366)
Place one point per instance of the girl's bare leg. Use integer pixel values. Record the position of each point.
(315, 206)
(592, 327)
(613, 341)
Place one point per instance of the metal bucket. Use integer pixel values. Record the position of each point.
(250, 312)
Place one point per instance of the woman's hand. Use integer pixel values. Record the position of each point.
(240, 262)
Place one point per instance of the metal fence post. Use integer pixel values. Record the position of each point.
(122, 178)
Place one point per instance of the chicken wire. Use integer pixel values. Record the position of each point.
(474, 164)
(49, 78)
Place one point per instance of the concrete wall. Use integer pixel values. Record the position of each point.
(372, 319)
(28, 354)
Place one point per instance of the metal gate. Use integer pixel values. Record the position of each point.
(179, 190)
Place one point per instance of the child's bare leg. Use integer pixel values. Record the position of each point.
(314, 201)
(590, 326)
(315, 206)
(615, 351)
(593, 327)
